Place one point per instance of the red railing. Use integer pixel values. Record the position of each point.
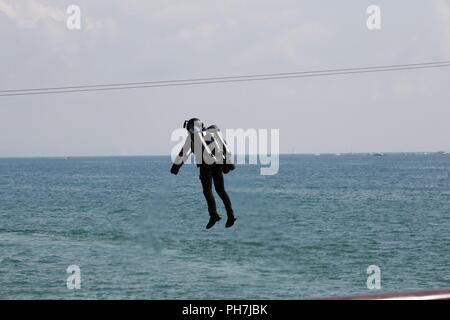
(416, 295)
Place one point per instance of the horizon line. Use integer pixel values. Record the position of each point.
(247, 155)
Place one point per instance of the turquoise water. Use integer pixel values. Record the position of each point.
(138, 232)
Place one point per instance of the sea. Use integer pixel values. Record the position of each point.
(318, 228)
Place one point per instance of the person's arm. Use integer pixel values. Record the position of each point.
(182, 156)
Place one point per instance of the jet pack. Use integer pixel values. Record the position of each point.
(207, 144)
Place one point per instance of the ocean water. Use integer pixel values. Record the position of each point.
(137, 232)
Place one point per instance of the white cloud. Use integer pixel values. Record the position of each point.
(7, 9)
(49, 21)
(30, 14)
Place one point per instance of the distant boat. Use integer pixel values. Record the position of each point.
(378, 154)
(441, 152)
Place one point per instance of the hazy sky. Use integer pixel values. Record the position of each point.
(148, 40)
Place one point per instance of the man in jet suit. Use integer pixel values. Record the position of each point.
(213, 158)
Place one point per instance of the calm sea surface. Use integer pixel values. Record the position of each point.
(138, 232)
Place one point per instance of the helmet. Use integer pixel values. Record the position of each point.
(194, 125)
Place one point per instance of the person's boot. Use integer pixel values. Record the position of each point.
(212, 220)
(230, 221)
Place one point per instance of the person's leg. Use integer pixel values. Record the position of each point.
(219, 185)
(206, 179)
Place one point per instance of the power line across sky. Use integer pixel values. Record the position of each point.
(222, 79)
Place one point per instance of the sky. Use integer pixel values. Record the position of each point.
(132, 41)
